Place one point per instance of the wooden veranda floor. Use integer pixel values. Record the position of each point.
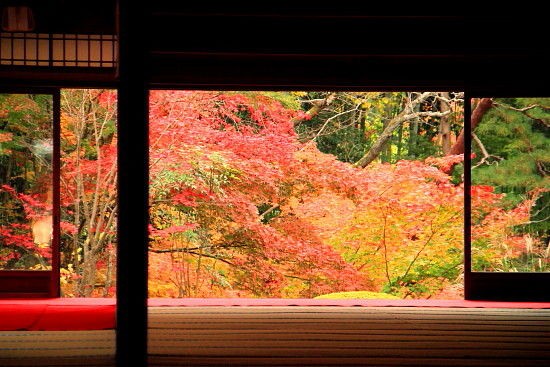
(305, 336)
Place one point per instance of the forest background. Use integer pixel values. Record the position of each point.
(283, 194)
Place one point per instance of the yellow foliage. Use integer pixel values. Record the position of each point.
(357, 295)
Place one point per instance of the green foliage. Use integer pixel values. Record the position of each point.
(518, 145)
(25, 139)
(354, 121)
(422, 148)
(479, 261)
(426, 277)
(539, 225)
(25, 172)
(165, 181)
(268, 212)
(516, 135)
(288, 100)
(348, 144)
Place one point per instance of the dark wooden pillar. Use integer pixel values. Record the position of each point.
(133, 178)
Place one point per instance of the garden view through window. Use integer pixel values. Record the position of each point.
(87, 188)
(306, 194)
(511, 184)
(283, 194)
(26, 181)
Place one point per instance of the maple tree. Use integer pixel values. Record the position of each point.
(407, 233)
(218, 220)
(88, 191)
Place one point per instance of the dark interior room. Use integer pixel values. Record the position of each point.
(139, 50)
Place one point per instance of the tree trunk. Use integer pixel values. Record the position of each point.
(399, 142)
(317, 108)
(362, 123)
(385, 154)
(477, 114)
(379, 144)
(406, 115)
(413, 138)
(445, 126)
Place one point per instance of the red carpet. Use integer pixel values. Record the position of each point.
(57, 314)
(99, 313)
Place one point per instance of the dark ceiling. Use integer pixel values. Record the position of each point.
(303, 45)
(71, 16)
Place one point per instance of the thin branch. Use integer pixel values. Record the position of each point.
(486, 155)
(430, 237)
(191, 251)
(386, 265)
(311, 137)
(406, 115)
(296, 277)
(542, 209)
(537, 221)
(329, 120)
(524, 111)
(424, 114)
(417, 255)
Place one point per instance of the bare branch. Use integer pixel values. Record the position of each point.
(486, 155)
(329, 120)
(525, 110)
(386, 261)
(191, 251)
(444, 129)
(406, 115)
(459, 97)
(537, 221)
(424, 114)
